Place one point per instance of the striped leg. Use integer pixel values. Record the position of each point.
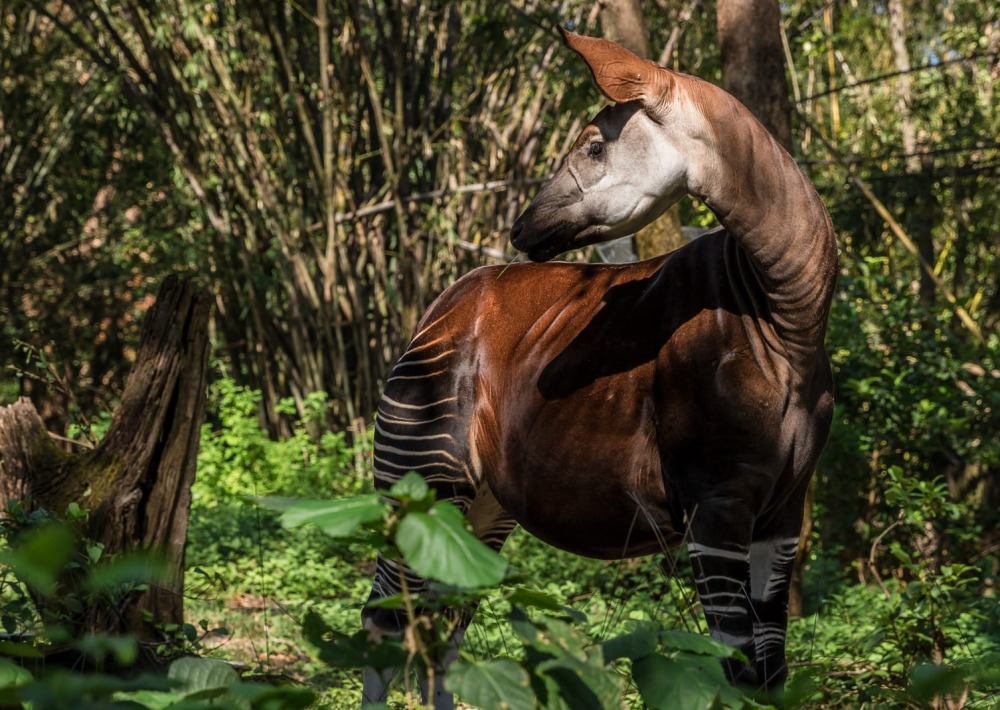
(772, 556)
(771, 564)
(492, 525)
(422, 426)
(719, 548)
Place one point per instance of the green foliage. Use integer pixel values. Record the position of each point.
(237, 458)
(51, 569)
(432, 536)
(190, 684)
(561, 667)
(900, 498)
(40, 551)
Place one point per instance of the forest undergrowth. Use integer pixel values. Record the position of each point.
(899, 586)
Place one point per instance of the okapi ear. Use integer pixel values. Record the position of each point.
(619, 74)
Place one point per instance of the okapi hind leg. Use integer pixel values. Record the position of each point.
(421, 427)
(492, 525)
(771, 564)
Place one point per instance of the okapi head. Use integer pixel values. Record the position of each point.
(624, 170)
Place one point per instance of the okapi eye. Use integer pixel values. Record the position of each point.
(596, 149)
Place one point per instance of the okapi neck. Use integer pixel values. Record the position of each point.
(764, 201)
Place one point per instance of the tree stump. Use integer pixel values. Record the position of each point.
(137, 482)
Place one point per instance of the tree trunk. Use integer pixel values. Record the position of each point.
(137, 482)
(753, 65)
(924, 209)
(622, 21)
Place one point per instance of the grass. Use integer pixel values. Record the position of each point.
(256, 580)
(857, 647)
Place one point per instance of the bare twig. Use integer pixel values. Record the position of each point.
(892, 75)
(872, 555)
(491, 186)
(675, 35)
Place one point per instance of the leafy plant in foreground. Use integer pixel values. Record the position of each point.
(35, 667)
(561, 667)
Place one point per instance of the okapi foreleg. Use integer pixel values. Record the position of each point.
(719, 547)
(771, 564)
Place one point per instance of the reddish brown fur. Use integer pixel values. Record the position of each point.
(612, 410)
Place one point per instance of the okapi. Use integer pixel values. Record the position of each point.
(610, 408)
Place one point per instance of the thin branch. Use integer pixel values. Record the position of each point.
(491, 186)
(872, 555)
(891, 75)
(812, 18)
(675, 35)
(882, 157)
(899, 233)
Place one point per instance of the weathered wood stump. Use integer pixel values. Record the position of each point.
(137, 482)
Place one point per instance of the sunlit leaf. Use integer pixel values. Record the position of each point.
(13, 675)
(336, 518)
(198, 674)
(533, 598)
(39, 557)
(356, 651)
(263, 696)
(437, 545)
(928, 681)
(698, 644)
(684, 683)
(500, 684)
(133, 568)
(633, 645)
(411, 487)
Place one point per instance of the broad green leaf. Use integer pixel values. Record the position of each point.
(198, 674)
(137, 567)
(412, 486)
(336, 518)
(38, 558)
(532, 598)
(698, 644)
(499, 684)
(13, 675)
(357, 651)
(152, 699)
(682, 683)
(583, 685)
(437, 545)
(633, 645)
(65, 689)
(98, 646)
(263, 696)
(19, 650)
(571, 667)
(928, 681)
(553, 636)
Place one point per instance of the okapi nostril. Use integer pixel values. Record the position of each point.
(516, 230)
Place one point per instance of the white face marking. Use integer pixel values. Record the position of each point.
(626, 168)
(642, 172)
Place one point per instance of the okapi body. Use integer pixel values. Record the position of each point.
(612, 410)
